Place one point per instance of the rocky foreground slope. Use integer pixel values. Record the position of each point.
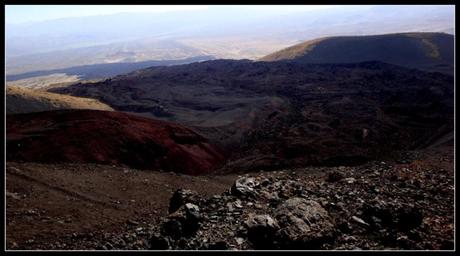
(377, 206)
(402, 204)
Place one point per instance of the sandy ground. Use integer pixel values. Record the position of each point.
(44, 81)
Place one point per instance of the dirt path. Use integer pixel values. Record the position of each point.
(72, 193)
(48, 201)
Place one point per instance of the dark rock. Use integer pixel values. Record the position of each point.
(109, 246)
(403, 161)
(403, 242)
(345, 227)
(158, 242)
(173, 228)
(377, 213)
(375, 222)
(181, 197)
(273, 199)
(349, 239)
(244, 187)
(359, 221)
(192, 211)
(264, 183)
(428, 246)
(413, 235)
(447, 245)
(221, 245)
(409, 218)
(388, 237)
(183, 244)
(284, 193)
(334, 176)
(189, 217)
(305, 224)
(261, 230)
(239, 240)
(132, 222)
(192, 218)
(350, 180)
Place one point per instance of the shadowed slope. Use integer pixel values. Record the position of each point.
(272, 114)
(427, 51)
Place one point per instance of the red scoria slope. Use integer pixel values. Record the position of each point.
(83, 136)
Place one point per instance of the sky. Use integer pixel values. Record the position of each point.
(16, 14)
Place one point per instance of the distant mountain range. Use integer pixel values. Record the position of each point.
(426, 51)
(234, 33)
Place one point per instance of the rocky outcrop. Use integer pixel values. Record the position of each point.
(306, 224)
(373, 206)
(261, 230)
(244, 187)
(181, 197)
(377, 206)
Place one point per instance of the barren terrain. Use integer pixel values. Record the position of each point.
(24, 100)
(341, 143)
(88, 206)
(59, 202)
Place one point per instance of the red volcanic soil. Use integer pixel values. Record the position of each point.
(90, 136)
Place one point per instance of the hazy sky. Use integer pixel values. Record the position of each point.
(30, 13)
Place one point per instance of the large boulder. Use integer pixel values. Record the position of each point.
(244, 187)
(188, 218)
(261, 231)
(305, 224)
(159, 242)
(181, 197)
(172, 228)
(379, 214)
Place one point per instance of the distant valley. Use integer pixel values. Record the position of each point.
(233, 34)
(46, 78)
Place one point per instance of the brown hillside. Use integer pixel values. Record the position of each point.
(23, 100)
(90, 136)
